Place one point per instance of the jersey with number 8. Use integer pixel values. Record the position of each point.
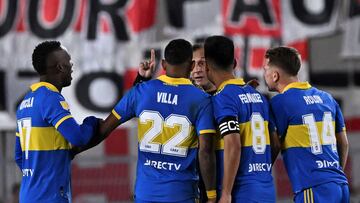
(171, 114)
(307, 120)
(251, 110)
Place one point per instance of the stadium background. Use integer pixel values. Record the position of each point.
(108, 38)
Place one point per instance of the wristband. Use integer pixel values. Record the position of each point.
(211, 194)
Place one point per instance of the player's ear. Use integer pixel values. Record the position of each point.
(163, 64)
(235, 63)
(275, 76)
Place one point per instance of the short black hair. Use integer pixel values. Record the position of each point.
(178, 51)
(286, 58)
(41, 53)
(219, 50)
(196, 47)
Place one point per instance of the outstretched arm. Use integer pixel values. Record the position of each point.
(105, 127)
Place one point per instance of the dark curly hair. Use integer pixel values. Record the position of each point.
(41, 53)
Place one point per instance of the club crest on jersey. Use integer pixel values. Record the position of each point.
(65, 105)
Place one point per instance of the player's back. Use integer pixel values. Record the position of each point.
(252, 112)
(171, 113)
(45, 159)
(307, 120)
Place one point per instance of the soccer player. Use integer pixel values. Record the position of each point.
(311, 128)
(242, 115)
(173, 116)
(46, 130)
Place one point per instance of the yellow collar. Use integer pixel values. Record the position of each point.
(297, 85)
(174, 81)
(36, 86)
(238, 81)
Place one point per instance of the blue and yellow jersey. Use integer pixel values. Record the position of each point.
(306, 120)
(171, 114)
(42, 152)
(251, 109)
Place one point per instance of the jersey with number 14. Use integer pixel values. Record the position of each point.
(251, 110)
(307, 120)
(171, 113)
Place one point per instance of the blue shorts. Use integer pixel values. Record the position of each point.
(328, 192)
(184, 201)
(254, 193)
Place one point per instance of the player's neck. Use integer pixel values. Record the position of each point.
(222, 77)
(209, 87)
(285, 82)
(53, 81)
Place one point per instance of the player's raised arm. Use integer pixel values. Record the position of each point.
(146, 69)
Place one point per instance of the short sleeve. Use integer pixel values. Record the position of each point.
(339, 119)
(55, 109)
(124, 110)
(224, 106)
(279, 116)
(205, 120)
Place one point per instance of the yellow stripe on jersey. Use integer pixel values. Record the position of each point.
(44, 138)
(238, 81)
(207, 131)
(174, 81)
(298, 135)
(311, 196)
(167, 133)
(36, 86)
(116, 114)
(62, 120)
(246, 135)
(297, 85)
(17, 134)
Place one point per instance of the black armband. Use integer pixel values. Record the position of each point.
(139, 79)
(229, 125)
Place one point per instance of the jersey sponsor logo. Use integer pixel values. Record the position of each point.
(250, 98)
(27, 103)
(259, 167)
(313, 99)
(162, 165)
(231, 126)
(327, 164)
(27, 172)
(167, 98)
(65, 105)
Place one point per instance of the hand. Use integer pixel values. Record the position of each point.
(253, 83)
(225, 198)
(92, 121)
(147, 68)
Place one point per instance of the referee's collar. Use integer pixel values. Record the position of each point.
(297, 85)
(174, 81)
(36, 86)
(237, 81)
